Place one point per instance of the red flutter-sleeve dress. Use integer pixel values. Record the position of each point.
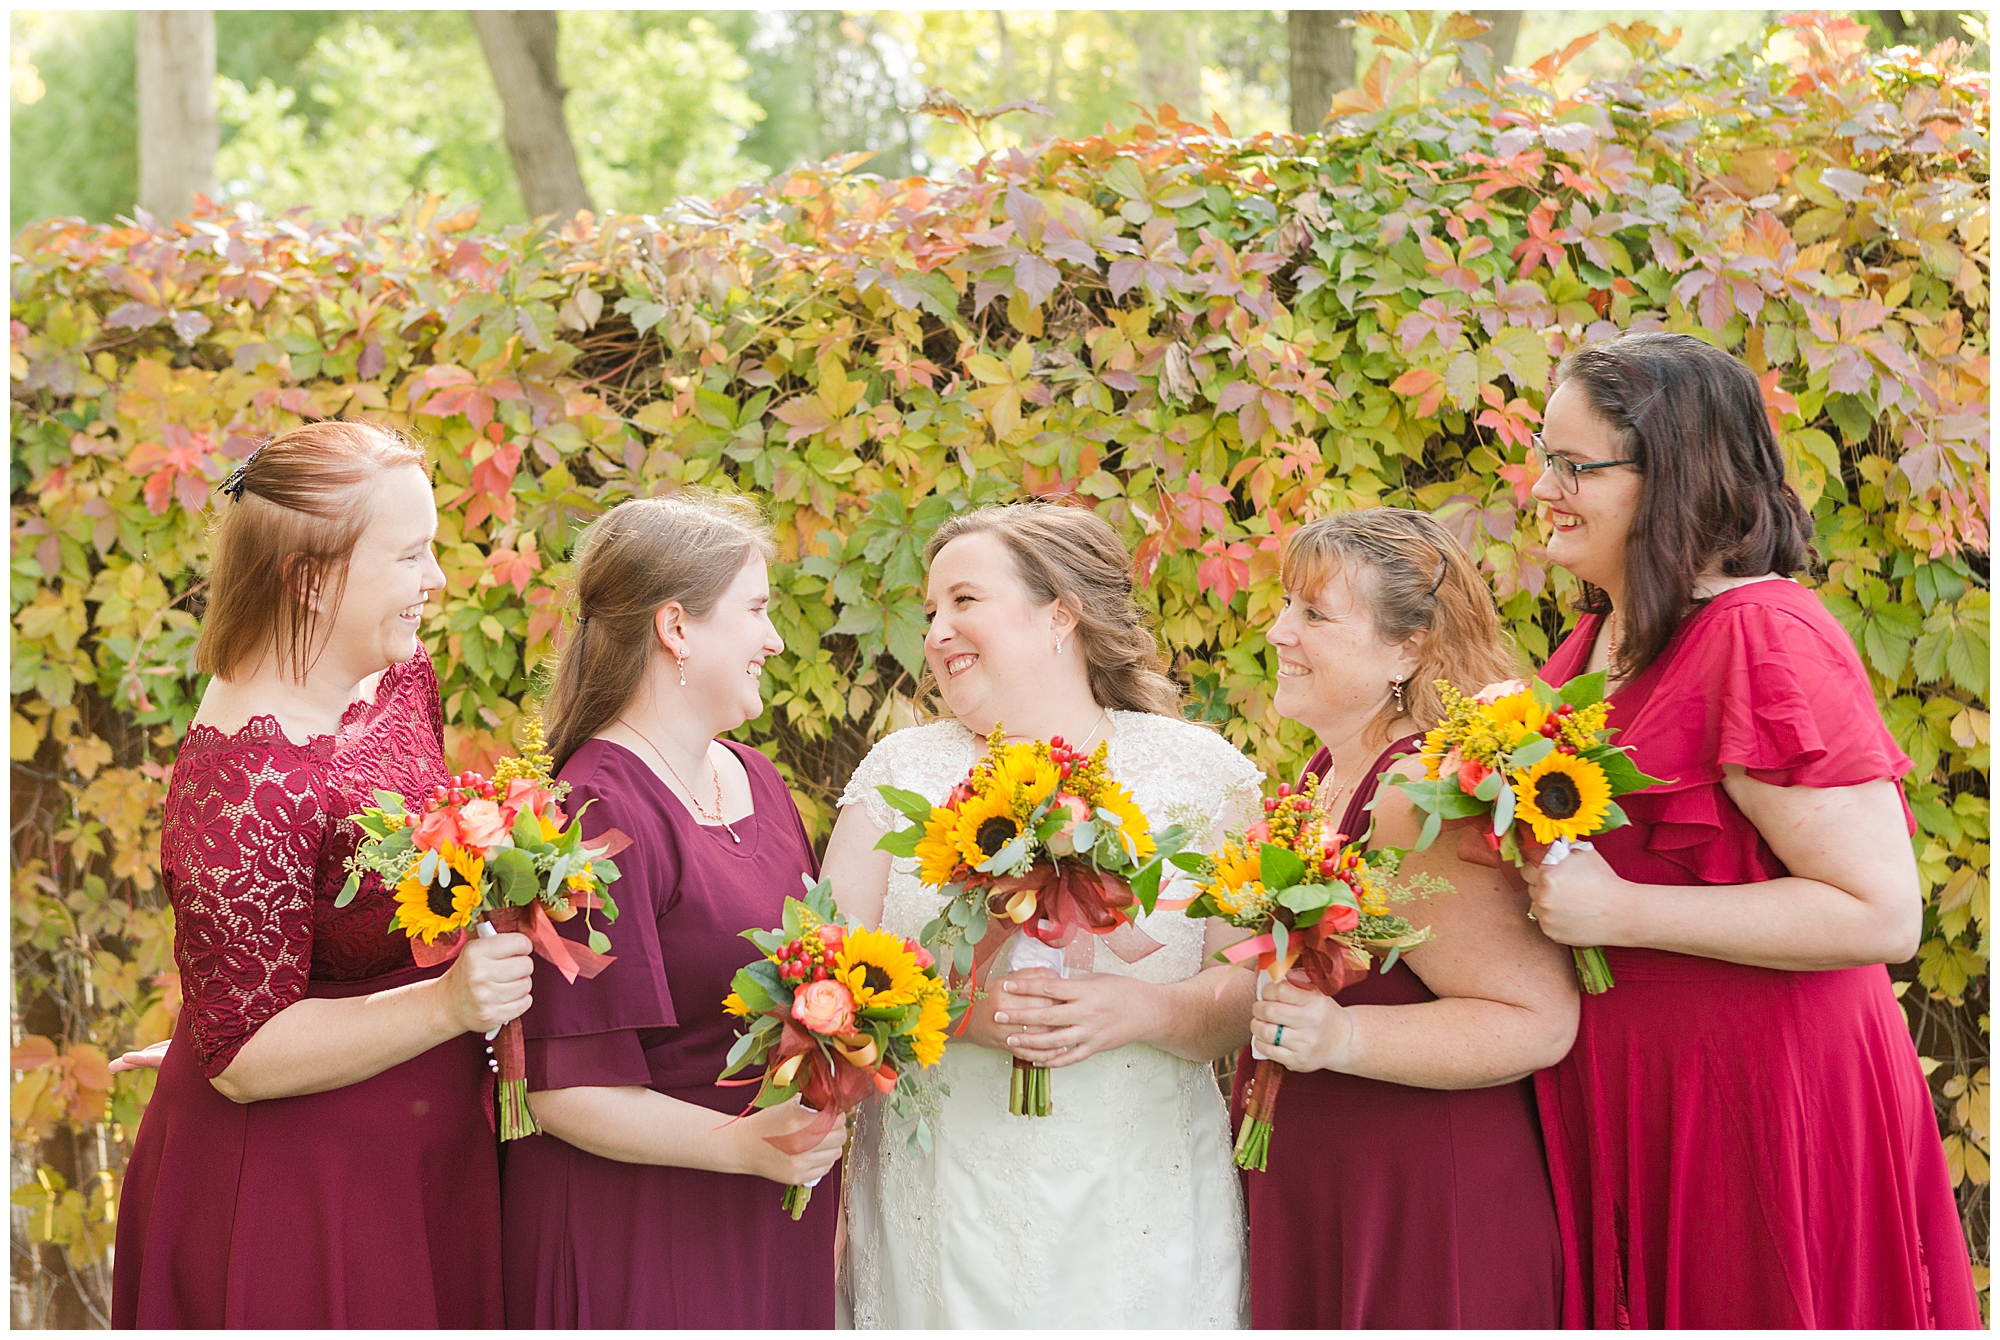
(375, 1205)
(596, 1243)
(1735, 1146)
(1384, 1206)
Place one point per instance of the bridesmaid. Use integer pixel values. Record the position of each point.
(1742, 1136)
(649, 1202)
(317, 1153)
(1405, 1184)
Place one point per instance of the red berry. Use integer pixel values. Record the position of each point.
(1328, 866)
(1284, 789)
(1565, 710)
(1270, 805)
(1301, 804)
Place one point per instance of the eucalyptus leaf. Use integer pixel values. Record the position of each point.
(348, 890)
(599, 941)
(1531, 753)
(1503, 810)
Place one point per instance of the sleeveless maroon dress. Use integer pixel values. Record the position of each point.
(1735, 1146)
(594, 1243)
(376, 1205)
(1388, 1206)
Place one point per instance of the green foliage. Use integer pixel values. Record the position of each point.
(1207, 339)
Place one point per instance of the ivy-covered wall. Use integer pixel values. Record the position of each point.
(1208, 339)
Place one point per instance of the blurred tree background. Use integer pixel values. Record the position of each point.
(351, 111)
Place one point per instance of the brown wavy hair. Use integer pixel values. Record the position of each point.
(1714, 492)
(635, 558)
(282, 538)
(1411, 574)
(1070, 554)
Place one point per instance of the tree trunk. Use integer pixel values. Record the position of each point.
(1322, 63)
(520, 46)
(178, 134)
(1502, 36)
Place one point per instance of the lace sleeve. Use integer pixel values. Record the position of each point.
(243, 828)
(926, 759)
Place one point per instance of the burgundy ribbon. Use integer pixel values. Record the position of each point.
(1074, 907)
(1314, 951)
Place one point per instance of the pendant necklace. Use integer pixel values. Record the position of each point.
(715, 820)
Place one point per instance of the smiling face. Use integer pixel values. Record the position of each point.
(991, 645)
(1591, 525)
(726, 650)
(390, 577)
(1334, 669)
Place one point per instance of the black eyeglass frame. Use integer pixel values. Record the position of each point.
(1568, 473)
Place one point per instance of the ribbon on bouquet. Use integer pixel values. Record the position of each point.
(827, 1088)
(1067, 906)
(1327, 963)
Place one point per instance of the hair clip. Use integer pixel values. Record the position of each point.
(233, 486)
(1443, 564)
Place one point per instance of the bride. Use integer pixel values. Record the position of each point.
(1122, 1207)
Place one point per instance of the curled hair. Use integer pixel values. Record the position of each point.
(638, 556)
(281, 543)
(1070, 554)
(1714, 493)
(1410, 575)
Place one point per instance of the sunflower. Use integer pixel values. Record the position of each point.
(878, 968)
(1237, 885)
(1030, 775)
(433, 909)
(983, 825)
(1563, 796)
(1517, 716)
(1132, 821)
(933, 1017)
(733, 1004)
(1437, 743)
(937, 853)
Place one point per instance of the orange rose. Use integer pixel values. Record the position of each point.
(437, 828)
(824, 1007)
(483, 825)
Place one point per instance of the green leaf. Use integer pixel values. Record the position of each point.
(1584, 690)
(528, 832)
(514, 876)
(907, 803)
(902, 842)
(599, 941)
(1488, 789)
(1531, 753)
(1279, 868)
(348, 890)
(1503, 810)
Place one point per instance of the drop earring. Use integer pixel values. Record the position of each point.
(682, 661)
(1058, 646)
(1396, 687)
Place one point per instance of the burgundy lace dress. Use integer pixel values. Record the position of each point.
(375, 1205)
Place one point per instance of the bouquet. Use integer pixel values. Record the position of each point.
(497, 855)
(837, 1013)
(1040, 838)
(1319, 906)
(1528, 756)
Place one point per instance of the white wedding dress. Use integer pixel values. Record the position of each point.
(1120, 1209)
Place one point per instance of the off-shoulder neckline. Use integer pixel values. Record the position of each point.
(266, 727)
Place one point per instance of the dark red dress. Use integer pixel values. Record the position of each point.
(376, 1205)
(1735, 1146)
(1388, 1206)
(595, 1243)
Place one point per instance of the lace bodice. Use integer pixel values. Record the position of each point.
(1121, 1208)
(254, 848)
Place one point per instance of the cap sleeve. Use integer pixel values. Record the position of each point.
(240, 846)
(873, 772)
(587, 1032)
(1769, 683)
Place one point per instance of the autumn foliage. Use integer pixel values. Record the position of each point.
(1207, 338)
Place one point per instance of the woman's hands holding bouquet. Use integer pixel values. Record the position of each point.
(777, 1144)
(1579, 902)
(1055, 1021)
(1316, 1027)
(489, 983)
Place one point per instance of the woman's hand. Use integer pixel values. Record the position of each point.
(1317, 1029)
(146, 1058)
(1578, 901)
(1057, 1021)
(766, 1135)
(489, 982)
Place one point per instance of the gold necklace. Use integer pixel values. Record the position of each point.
(714, 819)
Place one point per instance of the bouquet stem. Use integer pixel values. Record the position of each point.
(1592, 972)
(1028, 1090)
(796, 1200)
(512, 1052)
(1253, 1141)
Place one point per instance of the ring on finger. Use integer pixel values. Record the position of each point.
(1278, 1038)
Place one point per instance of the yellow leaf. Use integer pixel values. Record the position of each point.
(26, 738)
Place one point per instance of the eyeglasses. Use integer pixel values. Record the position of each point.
(1568, 473)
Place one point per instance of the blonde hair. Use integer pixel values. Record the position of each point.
(641, 555)
(1071, 554)
(282, 542)
(1411, 575)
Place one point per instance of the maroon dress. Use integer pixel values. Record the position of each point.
(599, 1244)
(1735, 1146)
(376, 1205)
(1384, 1206)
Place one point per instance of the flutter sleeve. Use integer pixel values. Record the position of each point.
(586, 1033)
(244, 826)
(1772, 685)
